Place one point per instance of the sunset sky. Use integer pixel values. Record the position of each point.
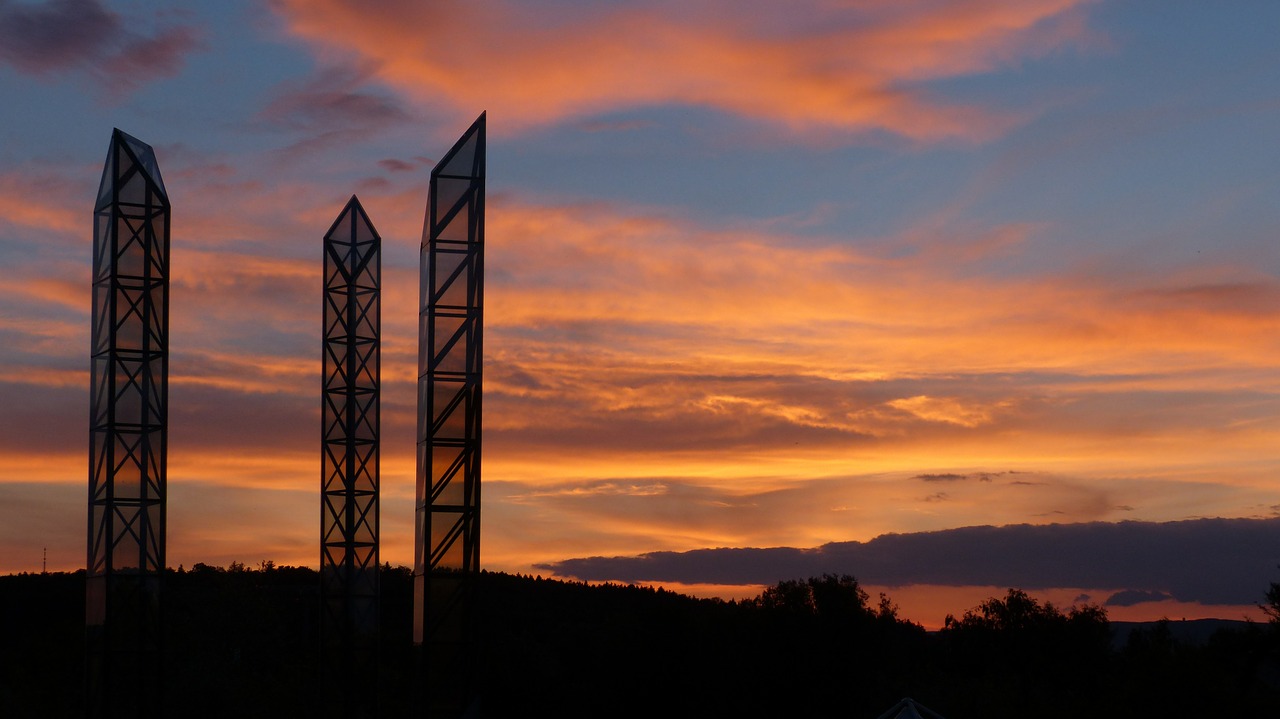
(759, 275)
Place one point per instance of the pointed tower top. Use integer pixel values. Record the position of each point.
(353, 225)
(467, 156)
(128, 151)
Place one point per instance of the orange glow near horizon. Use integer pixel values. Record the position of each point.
(758, 274)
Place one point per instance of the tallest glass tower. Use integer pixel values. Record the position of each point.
(451, 313)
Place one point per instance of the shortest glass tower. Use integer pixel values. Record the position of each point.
(349, 464)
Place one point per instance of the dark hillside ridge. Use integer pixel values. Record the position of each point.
(242, 642)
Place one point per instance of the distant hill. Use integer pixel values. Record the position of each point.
(1193, 632)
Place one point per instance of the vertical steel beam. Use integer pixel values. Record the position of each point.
(128, 423)
(451, 313)
(349, 464)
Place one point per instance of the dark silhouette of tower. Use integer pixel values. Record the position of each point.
(349, 465)
(451, 311)
(128, 431)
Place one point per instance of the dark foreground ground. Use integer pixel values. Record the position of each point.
(243, 643)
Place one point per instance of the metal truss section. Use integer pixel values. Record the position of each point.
(128, 433)
(451, 311)
(349, 464)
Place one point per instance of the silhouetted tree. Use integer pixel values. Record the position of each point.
(1272, 605)
(828, 597)
(1012, 653)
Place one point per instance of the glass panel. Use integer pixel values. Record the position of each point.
(134, 189)
(159, 245)
(336, 402)
(454, 424)
(147, 159)
(340, 236)
(335, 354)
(334, 330)
(101, 244)
(369, 364)
(122, 165)
(447, 329)
(454, 294)
(424, 276)
(463, 161)
(353, 257)
(453, 492)
(329, 524)
(131, 259)
(446, 265)
(128, 403)
(155, 537)
(424, 420)
(128, 320)
(154, 456)
(441, 525)
(419, 541)
(156, 383)
(368, 278)
(424, 320)
(363, 429)
(100, 537)
(98, 464)
(128, 473)
(107, 182)
(364, 230)
(126, 552)
(331, 465)
(101, 318)
(156, 305)
(421, 479)
(365, 316)
(448, 192)
(366, 461)
(449, 424)
(456, 228)
(362, 532)
(444, 463)
(101, 405)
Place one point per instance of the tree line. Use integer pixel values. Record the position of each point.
(243, 641)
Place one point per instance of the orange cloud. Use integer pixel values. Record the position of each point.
(660, 289)
(38, 199)
(653, 382)
(812, 66)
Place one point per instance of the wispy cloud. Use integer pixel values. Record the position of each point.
(822, 66)
(336, 106)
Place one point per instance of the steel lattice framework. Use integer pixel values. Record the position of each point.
(128, 427)
(451, 311)
(349, 464)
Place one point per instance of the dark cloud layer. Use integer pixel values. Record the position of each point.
(1212, 561)
(62, 35)
(54, 35)
(1130, 597)
(953, 477)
